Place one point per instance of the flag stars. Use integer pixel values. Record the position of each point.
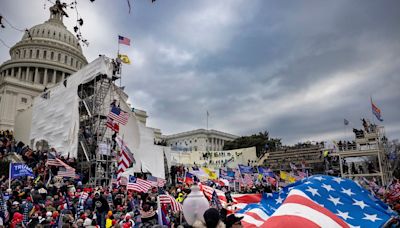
(360, 203)
(371, 218)
(313, 191)
(338, 179)
(344, 215)
(347, 191)
(328, 187)
(319, 178)
(334, 200)
(279, 200)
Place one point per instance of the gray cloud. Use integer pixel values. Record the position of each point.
(293, 68)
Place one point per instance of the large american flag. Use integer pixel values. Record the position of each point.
(165, 198)
(125, 158)
(64, 169)
(318, 201)
(138, 185)
(118, 115)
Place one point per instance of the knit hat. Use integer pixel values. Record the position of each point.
(211, 216)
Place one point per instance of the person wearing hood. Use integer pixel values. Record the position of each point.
(101, 207)
(212, 220)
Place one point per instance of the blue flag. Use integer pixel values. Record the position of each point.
(245, 169)
(265, 171)
(20, 170)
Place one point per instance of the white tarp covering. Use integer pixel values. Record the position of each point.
(56, 119)
(149, 157)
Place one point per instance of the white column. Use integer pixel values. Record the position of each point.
(19, 73)
(27, 74)
(53, 80)
(45, 77)
(36, 80)
(63, 76)
(12, 72)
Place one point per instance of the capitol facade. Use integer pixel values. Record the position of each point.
(46, 55)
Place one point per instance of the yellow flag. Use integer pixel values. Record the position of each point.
(260, 176)
(283, 175)
(211, 174)
(292, 179)
(125, 59)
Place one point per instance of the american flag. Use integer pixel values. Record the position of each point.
(165, 198)
(248, 179)
(118, 115)
(124, 40)
(125, 158)
(67, 172)
(156, 181)
(239, 200)
(64, 170)
(138, 185)
(112, 124)
(318, 201)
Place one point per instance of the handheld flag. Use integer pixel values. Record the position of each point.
(376, 111)
(124, 58)
(20, 170)
(189, 178)
(346, 122)
(245, 169)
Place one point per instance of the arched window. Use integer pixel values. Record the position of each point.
(30, 53)
(59, 57)
(52, 55)
(45, 54)
(37, 53)
(65, 59)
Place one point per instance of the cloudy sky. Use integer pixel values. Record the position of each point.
(294, 68)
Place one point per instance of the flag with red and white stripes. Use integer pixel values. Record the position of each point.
(156, 181)
(112, 124)
(125, 158)
(64, 169)
(239, 200)
(168, 199)
(138, 185)
(248, 179)
(118, 115)
(318, 201)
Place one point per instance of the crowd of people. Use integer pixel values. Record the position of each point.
(51, 201)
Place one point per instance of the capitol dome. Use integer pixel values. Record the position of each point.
(46, 54)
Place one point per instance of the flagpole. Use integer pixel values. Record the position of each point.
(9, 175)
(207, 119)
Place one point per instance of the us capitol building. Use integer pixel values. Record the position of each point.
(46, 55)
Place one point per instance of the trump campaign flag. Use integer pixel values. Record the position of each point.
(245, 169)
(376, 111)
(318, 201)
(20, 170)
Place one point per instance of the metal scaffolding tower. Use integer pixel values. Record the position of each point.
(95, 99)
(371, 144)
